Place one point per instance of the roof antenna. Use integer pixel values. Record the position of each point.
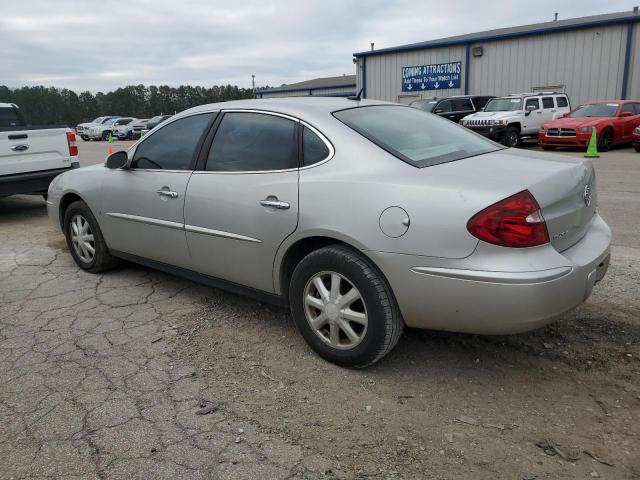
(356, 97)
(556, 17)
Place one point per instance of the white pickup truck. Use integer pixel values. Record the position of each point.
(32, 156)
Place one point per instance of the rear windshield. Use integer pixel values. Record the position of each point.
(424, 105)
(416, 137)
(596, 110)
(9, 117)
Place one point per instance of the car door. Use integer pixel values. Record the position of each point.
(242, 201)
(143, 205)
(627, 123)
(461, 108)
(549, 109)
(533, 116)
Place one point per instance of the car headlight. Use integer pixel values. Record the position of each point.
(500, 122)
(636, 130)
(586, 129)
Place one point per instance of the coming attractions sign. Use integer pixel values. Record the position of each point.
(438, 76)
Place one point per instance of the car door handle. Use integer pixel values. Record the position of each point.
(167, 193)
(275, 204)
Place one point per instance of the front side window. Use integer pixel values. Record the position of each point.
(443, 107)
(314, 150)
(595, 110)
(173, 146)
(462, 105)
(420, 140)
(250, 142)
(532, 103)
(547, 102)
(503, 104)
(628, 107)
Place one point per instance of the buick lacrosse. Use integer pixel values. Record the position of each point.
(361, 216)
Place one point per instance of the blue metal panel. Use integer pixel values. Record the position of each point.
(364, 77)
(627, 62)
(504, 36)
(307, 89)
(467, 68)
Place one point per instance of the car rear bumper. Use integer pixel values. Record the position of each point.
(30, 182)
(501, 301)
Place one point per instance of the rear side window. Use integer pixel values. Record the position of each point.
(562, 102)
(9, 117)
(314, 150)
(637, 108)
(249, 142)
(410, 135)
(173, 146)
(462, 105)
(547, 102)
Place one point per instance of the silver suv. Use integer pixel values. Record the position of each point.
(517, 116)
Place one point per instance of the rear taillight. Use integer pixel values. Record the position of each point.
(513, 222)
(73, 146)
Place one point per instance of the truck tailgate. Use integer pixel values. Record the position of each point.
(34, 150)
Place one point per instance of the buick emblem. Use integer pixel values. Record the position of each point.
(587, 195)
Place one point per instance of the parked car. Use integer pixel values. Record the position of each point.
(107, 129)
(613, 121)
(452, 108)
(515, 117)
(31, 156)
(137, 126)
(155, 121)
(635, 139)
(82, 129)
(123, 128)
(362, 216)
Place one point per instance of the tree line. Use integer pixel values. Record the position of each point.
(55, 106)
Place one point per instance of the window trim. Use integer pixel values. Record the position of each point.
(192, 165)
(206, 147)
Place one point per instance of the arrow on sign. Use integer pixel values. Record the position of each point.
(450, 84)
(437, 85)
(409, 87)
(422, 86)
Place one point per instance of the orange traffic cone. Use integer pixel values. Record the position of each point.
(110, 148)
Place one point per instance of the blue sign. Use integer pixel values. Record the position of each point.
(439, 76)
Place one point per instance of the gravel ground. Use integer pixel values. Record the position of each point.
(138, 374)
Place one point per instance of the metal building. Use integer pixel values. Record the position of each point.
(342, 86)
(588, 58)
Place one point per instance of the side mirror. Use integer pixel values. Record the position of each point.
(438, 111)
(626, 114)
(117, 160)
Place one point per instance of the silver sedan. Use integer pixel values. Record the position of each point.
(361, 216)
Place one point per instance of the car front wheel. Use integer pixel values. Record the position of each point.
(511, 138)
(343, 307)
(85, 240)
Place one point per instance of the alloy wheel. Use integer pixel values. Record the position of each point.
(82, 238)
(335, 310)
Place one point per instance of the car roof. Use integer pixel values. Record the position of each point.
(600, 102)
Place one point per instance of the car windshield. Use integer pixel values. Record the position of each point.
(98, 120)
(595, 110)
(111, 121)
(414, 137)
(503, 104)
(424, 105)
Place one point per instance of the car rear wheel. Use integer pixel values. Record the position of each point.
(105, 135)
(343, 307)
(606, 140)
(85, 240)
(511, 137)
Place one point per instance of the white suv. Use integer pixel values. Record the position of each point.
(519, 115)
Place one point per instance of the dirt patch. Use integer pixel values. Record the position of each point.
(441, 405)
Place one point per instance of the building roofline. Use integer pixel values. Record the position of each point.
(305, 89)
(492, 36)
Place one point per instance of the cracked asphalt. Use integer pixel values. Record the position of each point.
(135, 374)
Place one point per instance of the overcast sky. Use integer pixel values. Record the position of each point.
(102, 45)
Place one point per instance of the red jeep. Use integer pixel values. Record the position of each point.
(614, 121)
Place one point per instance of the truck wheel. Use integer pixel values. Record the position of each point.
(343, 307)
(85, 240)
(511, 137)
(105, 135)
(606, 140)
(85, 137)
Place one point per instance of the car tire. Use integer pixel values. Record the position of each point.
(373, 318)
(511, 138)
(85, 138)
(105, 135)
(606, 140)
(76, 216)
